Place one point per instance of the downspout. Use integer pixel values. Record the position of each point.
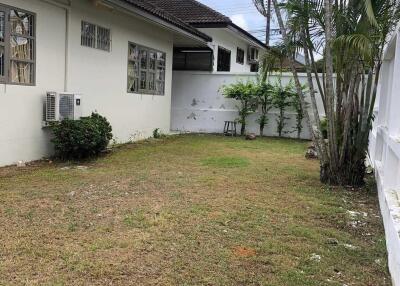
(66, 65)
(67, 6)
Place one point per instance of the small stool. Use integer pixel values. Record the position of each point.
(230, 128)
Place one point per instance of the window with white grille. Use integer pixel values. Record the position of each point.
(94, 36)
(146, 70)
(17, 46)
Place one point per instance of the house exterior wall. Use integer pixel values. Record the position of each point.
(384, 151)
(225, 38)
(100, 76)
(21, 107)
(199, 106)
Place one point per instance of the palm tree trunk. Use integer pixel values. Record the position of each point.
(318, 133)
(295, 74)
(330, 96)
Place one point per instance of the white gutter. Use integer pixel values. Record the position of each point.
(129, 9)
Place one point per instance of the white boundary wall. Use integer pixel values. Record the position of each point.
(384, 151)
(199, 106)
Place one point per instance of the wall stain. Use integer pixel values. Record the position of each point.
(192, 116)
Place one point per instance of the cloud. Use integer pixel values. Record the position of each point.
(240, 20)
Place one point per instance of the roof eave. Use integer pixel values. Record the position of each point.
(126, 7)
(249, 37)
(235, 28)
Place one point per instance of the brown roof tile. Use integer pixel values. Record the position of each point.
(191, 11)
(151, 8)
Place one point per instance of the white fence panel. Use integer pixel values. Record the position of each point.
(384, 152)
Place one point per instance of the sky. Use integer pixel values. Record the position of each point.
(244, 14)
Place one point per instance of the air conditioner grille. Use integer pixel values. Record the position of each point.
(51, 107)
(66, 106)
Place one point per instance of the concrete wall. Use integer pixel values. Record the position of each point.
(199, 106)
(100, 76)
(384, 151)
(21, 107)
(228, 40)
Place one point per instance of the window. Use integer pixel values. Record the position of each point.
(253, 54)
(146, 70)
(254, 67)
(240, 56)
(95, 37)
(17, 46)
(199, 59)
(224, 59)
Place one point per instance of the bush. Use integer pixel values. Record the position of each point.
(245, 93)
(157, 134)
(324, 127)
(79, 139)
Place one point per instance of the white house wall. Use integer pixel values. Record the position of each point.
(21, 107)
(199, 106)
(226, 39)
(100, 76)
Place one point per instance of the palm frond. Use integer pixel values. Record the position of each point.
(369, 11)
(261, 7)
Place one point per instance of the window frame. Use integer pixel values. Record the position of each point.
(6, 79)
(147, 70)
(241, 59)
(96, 37)
(220, 48)
(186, 52)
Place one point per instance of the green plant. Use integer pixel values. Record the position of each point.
(264, 98)
(157, 133)
(281, 100)
(351, 36)
(78, 139)
(245, 93)
(324, 128)
(296, 104)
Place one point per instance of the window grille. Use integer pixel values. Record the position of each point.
(146, 70)
(17, 46)
(95, 37)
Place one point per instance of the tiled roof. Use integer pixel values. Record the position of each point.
(151, 8)
(189, 14)
(199, 15)
(191, 11)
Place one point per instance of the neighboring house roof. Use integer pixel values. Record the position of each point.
(191, 11)
(165, 15)
(199, 15)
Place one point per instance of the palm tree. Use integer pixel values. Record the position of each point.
(350, 35)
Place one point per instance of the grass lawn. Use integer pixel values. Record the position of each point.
(188, 210)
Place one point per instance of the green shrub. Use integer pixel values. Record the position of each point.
(324, 127)
(78, 139)
(245, 93)
(157, 133)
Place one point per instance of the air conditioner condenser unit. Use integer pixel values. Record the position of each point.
(63, 105)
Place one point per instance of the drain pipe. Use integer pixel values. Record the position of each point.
(66, 5)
